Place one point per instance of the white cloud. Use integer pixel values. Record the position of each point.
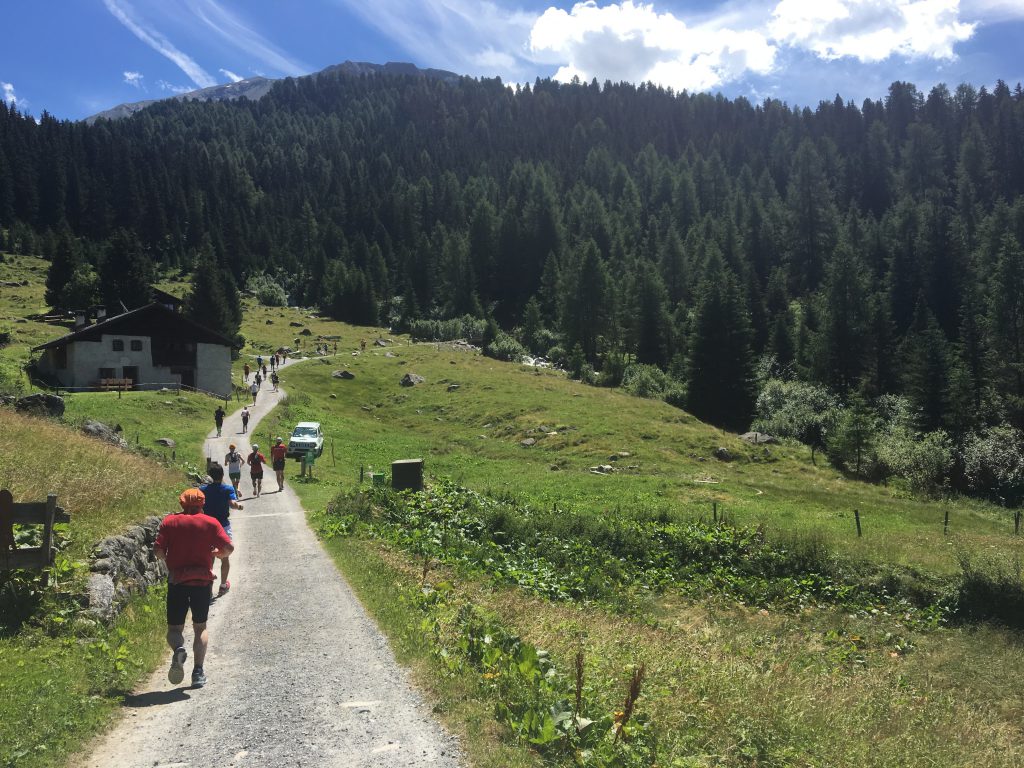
(234, 30)
(634, 42)
(992, 11)
(166, 86)
(155, 40)
(871, 30)
(133, 79)
(8, 91)
(231, 75)
(469, 37)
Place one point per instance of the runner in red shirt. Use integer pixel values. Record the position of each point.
(256, 460)
(188, 542)
(277, 457)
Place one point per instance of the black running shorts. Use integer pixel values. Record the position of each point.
(181, 597)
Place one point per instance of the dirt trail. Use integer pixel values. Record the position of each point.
(298, 674)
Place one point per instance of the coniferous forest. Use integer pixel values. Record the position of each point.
(851, 276)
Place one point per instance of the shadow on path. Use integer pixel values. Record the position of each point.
(156, 698)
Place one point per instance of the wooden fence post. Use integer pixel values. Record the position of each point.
(714, 510)
(856, 517)
(945, 524)
(1016, 523)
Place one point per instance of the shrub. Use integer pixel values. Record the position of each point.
(923, 460)
(504, 347)
(267, 291)
(644, 380)
(991, 588)
(796, 409)
(467, 327)
(994, 461)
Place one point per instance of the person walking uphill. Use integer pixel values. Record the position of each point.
(218, 419)
(254, 390)
(220, 500)
(188, 543)
(245, 417)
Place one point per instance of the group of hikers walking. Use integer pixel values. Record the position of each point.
(189, 541)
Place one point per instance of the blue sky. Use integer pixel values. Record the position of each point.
(74, 58)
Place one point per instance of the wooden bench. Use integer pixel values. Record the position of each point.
(111, 385)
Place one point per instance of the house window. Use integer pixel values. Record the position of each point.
(118, 345)
(107, 373)
(136, 345)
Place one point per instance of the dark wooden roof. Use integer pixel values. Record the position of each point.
(163, 297)
(153, 320)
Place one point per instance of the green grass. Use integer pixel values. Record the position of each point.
(17, 303)
(473, 434)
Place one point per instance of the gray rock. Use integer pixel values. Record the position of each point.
(270, 322)
(381, 342)
(305, 332)
(759, 438)
(411, 380)
(528, 442)
(343, 375)
(722, 454)
(452, 387)
(389, 354)
(123, 566)
(42, 403)
(333, 396)
(166, 441)
(294, 324)
(104, 432)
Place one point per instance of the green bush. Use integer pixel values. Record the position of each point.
(467, 327)
(267, 291)
(505, 347)
(643, 380)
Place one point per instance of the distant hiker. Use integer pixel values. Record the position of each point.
(256, 460)
(259, 361)
(275, 380)
(220, 500)
(258, 379)
(273, 362)
(218, 419)
(233, 460)
(284, 357)
(254, 390)
(362, 344)
(188, 543)
(245, 416)
(245, 370)
(335, 352)
(264, 371)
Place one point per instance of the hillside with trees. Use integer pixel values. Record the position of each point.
(850, 276)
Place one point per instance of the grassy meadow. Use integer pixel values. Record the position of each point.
(729, 682)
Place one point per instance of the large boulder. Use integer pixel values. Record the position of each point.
(42, 403)
(722, 454)
(343, 375)
(105, 432)
(411, 380)
(758, 438)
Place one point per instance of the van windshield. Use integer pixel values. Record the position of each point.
(304, 432)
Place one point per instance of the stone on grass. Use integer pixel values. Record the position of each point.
(452, 387)
(759, 438)
(343, 375)
(411, 380)
(528, 442)
(104, 432)
(722, 454)
(166, 441)
(42, 403)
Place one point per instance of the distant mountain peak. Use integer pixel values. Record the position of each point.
(256, 88)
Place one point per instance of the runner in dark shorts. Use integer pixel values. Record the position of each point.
(256, 460)
(188, 543)
(277, 456)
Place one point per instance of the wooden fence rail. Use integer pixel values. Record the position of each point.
(44, 513)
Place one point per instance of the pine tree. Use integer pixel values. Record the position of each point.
(720, 372)
(64, 262)
(208, 302)
(126, 273)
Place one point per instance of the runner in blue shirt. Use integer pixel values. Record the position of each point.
(220, 500)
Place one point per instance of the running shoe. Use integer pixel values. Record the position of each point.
(177, 671)
(198, 677)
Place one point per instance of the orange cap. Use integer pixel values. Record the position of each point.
(192, 499)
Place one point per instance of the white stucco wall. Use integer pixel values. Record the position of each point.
(85, 358)
(213, 368)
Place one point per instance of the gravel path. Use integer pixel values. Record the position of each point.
(299, 675)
